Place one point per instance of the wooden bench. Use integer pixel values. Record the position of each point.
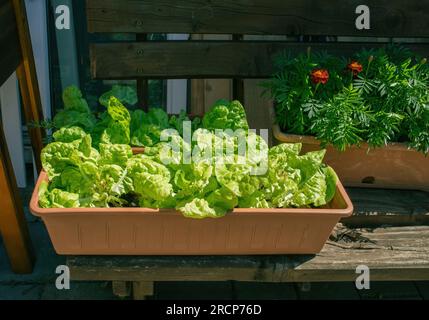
(400, 254)
(391, 253)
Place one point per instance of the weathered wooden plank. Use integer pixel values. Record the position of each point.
(204, 59)
(27, 78)
(143, 84)
(205, 92)
(387, 258)
(376, 207)
(10, 54)
(142, 290)
(164, 268)
(13, 227)
(297, 17)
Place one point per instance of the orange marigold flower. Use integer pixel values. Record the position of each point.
(319, 76)
(355, 67)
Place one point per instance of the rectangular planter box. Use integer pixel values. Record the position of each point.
(394, 166)
(140, 231)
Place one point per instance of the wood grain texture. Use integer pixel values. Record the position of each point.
(13, 227)
(205, 92)
(294, 17)
(376, 207)
(27, 78)
(10, 54)
(399, 253)
(390, 253)
(204, 59)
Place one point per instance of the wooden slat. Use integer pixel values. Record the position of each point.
(27, 78)
(10, 54)
(398, 254)
(13, 227)
(205, 92)
(167, 268)
(391, 254)
(142, 84)
(238, 84)
(377, 207)
(292, 17)
(204, 59)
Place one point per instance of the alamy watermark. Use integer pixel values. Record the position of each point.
(221, 147)
(363, 21)
(62, 282)
(63, 19)
(363, 280)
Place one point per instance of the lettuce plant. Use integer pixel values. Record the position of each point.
(105, 173)
(76, 111)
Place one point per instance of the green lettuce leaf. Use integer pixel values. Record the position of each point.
(331, 183)
(224, 115)
(69, 134)
(222, 200)
(147, 128)
(125, 94)
(73, 100)
(76, 112)
(191, 179)
(200, 209)
(176, 122)
(151, 179)
(118, 124)
(256, 200)
(235, 175)
(57, 198)
(115, 154)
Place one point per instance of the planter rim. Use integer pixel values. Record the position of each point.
(41, 212)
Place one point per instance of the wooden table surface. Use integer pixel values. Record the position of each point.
(391, 253)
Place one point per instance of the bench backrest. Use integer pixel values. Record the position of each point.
(237, 58)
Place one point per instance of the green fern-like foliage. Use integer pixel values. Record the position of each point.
(386, 101)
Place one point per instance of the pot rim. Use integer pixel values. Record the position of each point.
(41, 212)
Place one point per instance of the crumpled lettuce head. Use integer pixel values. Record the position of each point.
(225, 115)
(146, 128)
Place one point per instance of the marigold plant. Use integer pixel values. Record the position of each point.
(377, 96)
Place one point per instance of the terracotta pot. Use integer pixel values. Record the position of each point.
(394, 166)
(140, 231)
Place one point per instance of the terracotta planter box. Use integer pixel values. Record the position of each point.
(140, 231)
(394, 166)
